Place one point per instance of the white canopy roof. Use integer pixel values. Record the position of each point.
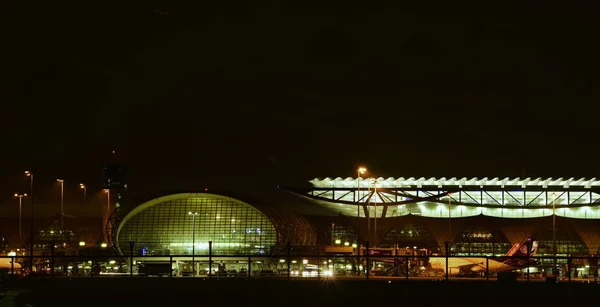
(413, 182)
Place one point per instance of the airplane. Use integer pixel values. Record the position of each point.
(470, 265)
(5, 263)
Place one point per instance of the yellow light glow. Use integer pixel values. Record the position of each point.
(354, 245)
(346, 243)
(304, 261)
(81, 243)
(362, 170)
(103, 245)
(338, 241)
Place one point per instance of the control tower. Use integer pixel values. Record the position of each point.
(114, 185)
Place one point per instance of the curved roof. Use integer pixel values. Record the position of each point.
(167, 198)
(289, 225)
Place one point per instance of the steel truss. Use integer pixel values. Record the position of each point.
(391, 196)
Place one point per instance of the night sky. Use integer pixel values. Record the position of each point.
(248, 96)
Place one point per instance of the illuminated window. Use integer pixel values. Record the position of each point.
(480, 241)
(568, 243)
(166, 228)
(411, 235)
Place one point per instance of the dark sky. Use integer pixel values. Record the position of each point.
(280, 93)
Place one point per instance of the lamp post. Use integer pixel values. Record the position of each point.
(193, 214)
(554, 231)
(20, 196)
(361, 170)
(84, 188)
(107, 191)
(104, 223)
(375, 202)
(62, 207)
(30, 175)
(449, 217)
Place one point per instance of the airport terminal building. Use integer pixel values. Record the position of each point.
(477, 216)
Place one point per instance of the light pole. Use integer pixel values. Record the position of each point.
(107, 191)
(449, 217)
(368, 210)
(20, 196)
(375, 202)
(62, 204)
(193, 214)
(554, 231)
(104, 223)
(31, 237)
(361, 170)
(84, 188)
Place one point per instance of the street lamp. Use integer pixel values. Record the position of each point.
(62, 205)
(31, 237)
(193, 214)
(84, 188)
(20, 196)
(375, 202)
(104, 223)
(554, 230)
(107, 191)
(449, 217)
(361, 170)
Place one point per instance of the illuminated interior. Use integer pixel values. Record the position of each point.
(342, 234)
(568, 243)
(409, 236)
(62, 238)
(480, 241)
(171, 225)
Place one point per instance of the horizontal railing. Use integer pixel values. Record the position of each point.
(287, 266)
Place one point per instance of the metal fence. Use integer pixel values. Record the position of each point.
(298, 266)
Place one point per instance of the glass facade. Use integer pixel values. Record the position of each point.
(568, 243)
(480, 241)
(167, 227)
(343, 234)
(411, 235)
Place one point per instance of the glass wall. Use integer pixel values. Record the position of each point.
(411, 235)
(480, 241)
(168, 228)
(568, 243)
(342, 234)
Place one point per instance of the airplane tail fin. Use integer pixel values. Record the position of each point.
(520, 250)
